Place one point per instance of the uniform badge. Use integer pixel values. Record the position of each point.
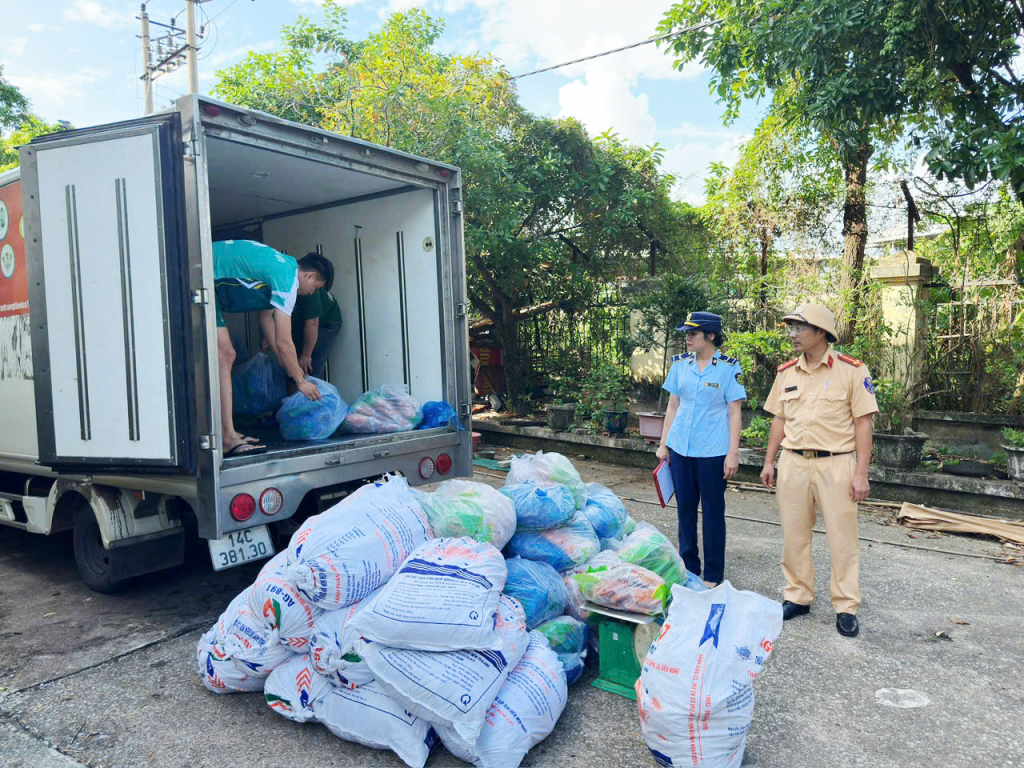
(868, 385)
(739, 378)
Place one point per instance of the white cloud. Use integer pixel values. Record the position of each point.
(218, 60)
(16, 47)
(689, 161)
(605, 100)
(93, 12)
(51, 92)
(37, 27)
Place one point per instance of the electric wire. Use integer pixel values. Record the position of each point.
(677, 33)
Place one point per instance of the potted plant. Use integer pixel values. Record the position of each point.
(603, 397)
(565, 386)
(896, 444)
(659, 305)
(1014, 448)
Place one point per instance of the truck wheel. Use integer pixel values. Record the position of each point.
(93, 559)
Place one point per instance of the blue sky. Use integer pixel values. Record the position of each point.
(79, 60)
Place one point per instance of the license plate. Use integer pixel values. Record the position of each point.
(241, 547)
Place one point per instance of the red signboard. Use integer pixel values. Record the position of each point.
(13, 275)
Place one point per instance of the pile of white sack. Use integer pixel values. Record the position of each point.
(393, 634)
(401, 619)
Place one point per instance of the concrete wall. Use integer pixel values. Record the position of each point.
(968, 434)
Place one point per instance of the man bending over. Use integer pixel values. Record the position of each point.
(252, 277)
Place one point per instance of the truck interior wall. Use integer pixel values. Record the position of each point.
(401, 348)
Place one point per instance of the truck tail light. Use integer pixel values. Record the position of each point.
(426, 467)
(444, 463)
(243, 506)
(271, 501)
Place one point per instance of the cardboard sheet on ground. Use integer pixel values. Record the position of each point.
(916, 516)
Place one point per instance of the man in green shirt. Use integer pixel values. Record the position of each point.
(316, 322)
(253, 277)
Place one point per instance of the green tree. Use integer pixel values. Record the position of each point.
(549, 211)
(30, 127)
(13, 104)
(962, 64)
(828, 69)
(784, 186)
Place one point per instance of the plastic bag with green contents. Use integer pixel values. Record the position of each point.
(568, 638)
(464, 508)
(650, 548)
(548, 469)
(624, 587)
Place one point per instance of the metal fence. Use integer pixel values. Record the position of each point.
(562, 341)
(973, 363)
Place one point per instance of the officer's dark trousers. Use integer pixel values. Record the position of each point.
(699, 480)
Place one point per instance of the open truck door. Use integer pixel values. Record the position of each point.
(106, 247)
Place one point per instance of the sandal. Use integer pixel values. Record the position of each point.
(244, 449)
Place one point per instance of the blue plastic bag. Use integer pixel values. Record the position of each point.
(541, 509)
(568, 639)
(561, 548)
(538, 588)
(438, 413)
(258, 386)
(304, 419)
(604, 511)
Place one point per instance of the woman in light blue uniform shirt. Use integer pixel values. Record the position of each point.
(701, 439)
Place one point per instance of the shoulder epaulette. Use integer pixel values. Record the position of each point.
(684, 356)
(790, 364)
(851, 360)
(729, 360)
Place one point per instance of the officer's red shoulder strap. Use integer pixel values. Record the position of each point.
(851, 360)
(790, 364)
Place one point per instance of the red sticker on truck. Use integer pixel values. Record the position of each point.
(13, 274)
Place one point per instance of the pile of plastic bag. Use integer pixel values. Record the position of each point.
(402, 620)
(384, 410)
(303, 419)
(258, 386)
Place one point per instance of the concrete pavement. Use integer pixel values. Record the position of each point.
(111, 680)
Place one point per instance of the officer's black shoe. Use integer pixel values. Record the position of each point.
(847, 624)
(792, 610)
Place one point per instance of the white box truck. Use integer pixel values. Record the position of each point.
(109, 384)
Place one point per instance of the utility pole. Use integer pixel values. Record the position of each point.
(147, 61)
(190, 41)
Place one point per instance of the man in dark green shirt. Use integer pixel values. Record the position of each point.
(316, 322)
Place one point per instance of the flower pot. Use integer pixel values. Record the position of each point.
(898, 451)
(477, 437)
(1015, 463)
(561, 417)
(615, 421)
(651, 425)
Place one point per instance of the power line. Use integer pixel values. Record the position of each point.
(696, 28)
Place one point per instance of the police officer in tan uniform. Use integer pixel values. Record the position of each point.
(822, 402)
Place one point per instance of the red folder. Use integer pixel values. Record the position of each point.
(663, 483)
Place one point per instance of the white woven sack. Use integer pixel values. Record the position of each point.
(370, 716)
(443, 598)
(454, 688)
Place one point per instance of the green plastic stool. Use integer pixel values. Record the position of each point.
(624, 641)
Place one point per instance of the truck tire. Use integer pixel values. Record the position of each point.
(95, 562)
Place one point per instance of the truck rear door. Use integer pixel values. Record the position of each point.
(106, 247)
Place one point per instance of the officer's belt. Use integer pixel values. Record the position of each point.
(816, 454)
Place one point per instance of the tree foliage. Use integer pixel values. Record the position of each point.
(962, 63)
(13, 104)
(550, 212)
(828, 69)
